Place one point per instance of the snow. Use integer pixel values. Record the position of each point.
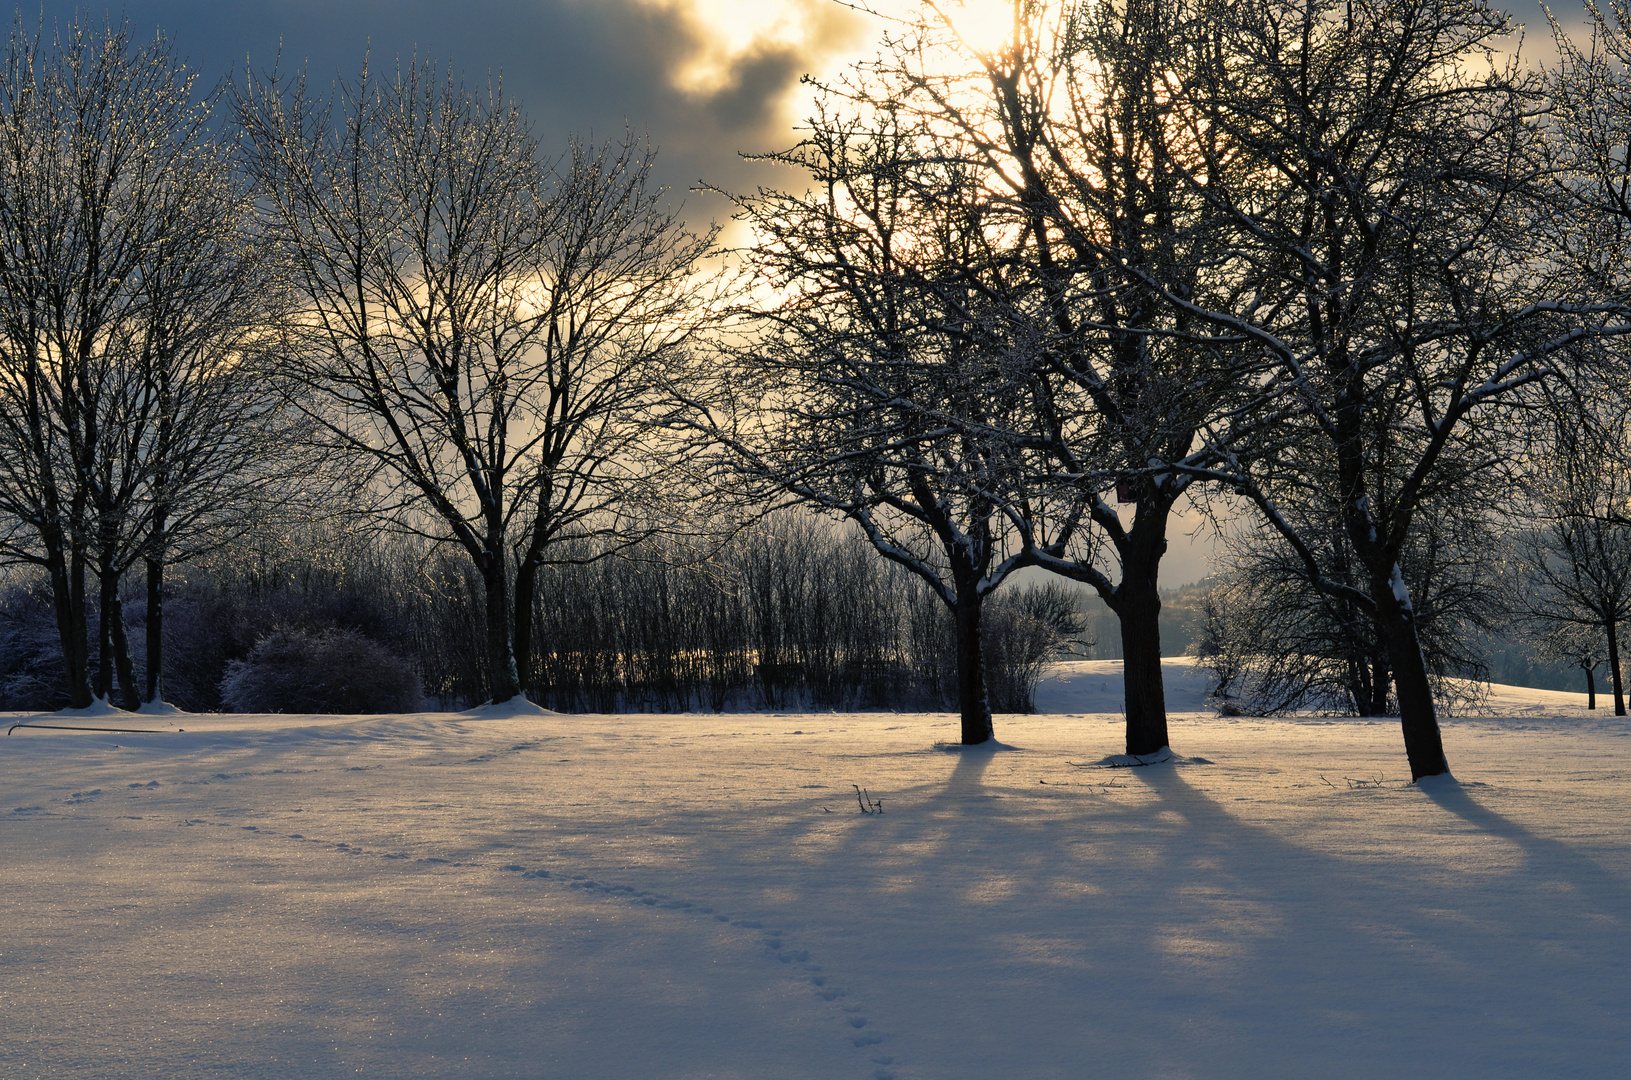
(1401, 592)
(99, 707)
(1094, 686)
(699, 896)
(507, 710)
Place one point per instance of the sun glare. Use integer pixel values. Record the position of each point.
(983, 25)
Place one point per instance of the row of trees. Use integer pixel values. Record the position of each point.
(1315, 259)
(1320, 262)
(791, 615)
(131, 295)
(220, 311)
(1546, 567)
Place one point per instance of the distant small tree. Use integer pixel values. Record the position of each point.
(1574, 645)
(1575, 562)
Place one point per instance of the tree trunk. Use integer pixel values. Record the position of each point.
(1591, 687)
(1368, 684)
(1137, 603)
(106, 601)
(1614, 675)
(1423, 745)
(121, 652)
(506, 680)
(113, 656)
(154, 691)
(1146, 697)
(972, 700)
(67, 571)
(1381, 681)
(526, 588)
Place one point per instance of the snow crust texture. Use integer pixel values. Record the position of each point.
(698, 896)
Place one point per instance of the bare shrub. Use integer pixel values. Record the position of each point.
(330, 671)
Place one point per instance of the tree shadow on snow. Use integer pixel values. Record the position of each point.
(1155, 913)
(1548, 861)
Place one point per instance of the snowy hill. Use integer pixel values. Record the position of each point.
(1094, 686)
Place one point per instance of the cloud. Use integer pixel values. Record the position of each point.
(702, 79)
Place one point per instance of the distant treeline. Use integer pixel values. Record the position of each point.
(794, 615)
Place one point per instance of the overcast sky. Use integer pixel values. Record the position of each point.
(704, 79)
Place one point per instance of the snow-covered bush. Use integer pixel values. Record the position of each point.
(330, 671)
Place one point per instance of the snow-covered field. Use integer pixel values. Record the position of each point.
(699, 896)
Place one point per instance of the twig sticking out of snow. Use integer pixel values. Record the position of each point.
(1133, 761)
(869, 805)
(1376, 781)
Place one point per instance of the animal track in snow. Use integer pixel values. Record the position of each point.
(774, 940)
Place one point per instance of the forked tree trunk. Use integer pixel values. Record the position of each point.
(1371, 681)
(122, 665)
(1423, 745)
(67, 571)
(973, 702)
(1591, 686)
(506, 679)
(114, 643)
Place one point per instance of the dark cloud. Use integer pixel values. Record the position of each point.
(586, 67)
(589, 67)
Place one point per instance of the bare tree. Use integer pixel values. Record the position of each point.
(1589, 123)
(1293, 645)
(1095, 159)
(1405, 284)
(107, 175)
(1033, 192)
(859, 387)
(481, 333)
(1575, 561)
(219, 453)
